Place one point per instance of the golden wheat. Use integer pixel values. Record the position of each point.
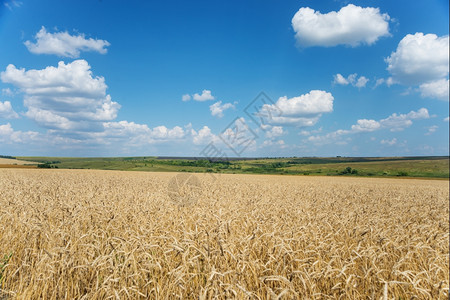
(73, 234)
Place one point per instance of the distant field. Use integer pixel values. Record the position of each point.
(426, 166)
(12, 163)
(93, 234)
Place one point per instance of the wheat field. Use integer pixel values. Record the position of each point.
(85, 234)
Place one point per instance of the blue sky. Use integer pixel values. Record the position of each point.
(121, 78)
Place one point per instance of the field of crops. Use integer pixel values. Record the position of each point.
(91, 234)
(16, 163)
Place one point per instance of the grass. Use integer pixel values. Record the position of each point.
(93, 234)
(423, 167)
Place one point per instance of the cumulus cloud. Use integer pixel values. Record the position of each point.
(419, 58)
(351, 79)
(361, 82)
(379, 82)
(274, 132)
(218, 108)
(438, 89)
(328, 138)
(186, 97)
(162, 132)
(352, 25)
(125, 128)
(339, 79)
(142, 132)
(398, 122)
(395, 122)
(203, 136)
(304, 110)
(388, 81)
(6, 111)
(204, 96)
(365, 125)
(389, 142)
(238, 136)
(72, 104)
(66, 97)
(114, 135)
(64, 44)
(8, 135)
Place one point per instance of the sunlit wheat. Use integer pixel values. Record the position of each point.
(72, 234)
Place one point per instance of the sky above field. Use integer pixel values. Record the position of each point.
(224, 78)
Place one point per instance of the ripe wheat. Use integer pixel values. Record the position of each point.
(73, 234)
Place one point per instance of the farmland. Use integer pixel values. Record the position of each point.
(16, 163)
(419, 166)
(97, 234)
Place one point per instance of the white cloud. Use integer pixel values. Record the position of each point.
(431, 129)
(218, 108)
(305, 133)
(328, 138)
(395, 122)
(139, 133)
(389, 142)
(136, 135)
(389, 81)
(64, 44)
(295, 121)
(304, 110)
(351, 25)
(279, 143)
(203, 136)
(339, 79)
(275, 131)
(186, 97)
(379, 82)
(7, 92)
(66, 97)
(419, 58)
(308, 133)
(365, 125)
(114, 135)
(6, 130)
(162, 132)
(361, 82)
(351, 79)
(124, 129)
(399, 122)
(8, 135)
(438, 89)
(446, 119)
(6, 111)
(11, 4)
(78, 114)
(204, 96)
(239, 137)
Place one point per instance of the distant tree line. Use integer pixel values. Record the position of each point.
(47, 166)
